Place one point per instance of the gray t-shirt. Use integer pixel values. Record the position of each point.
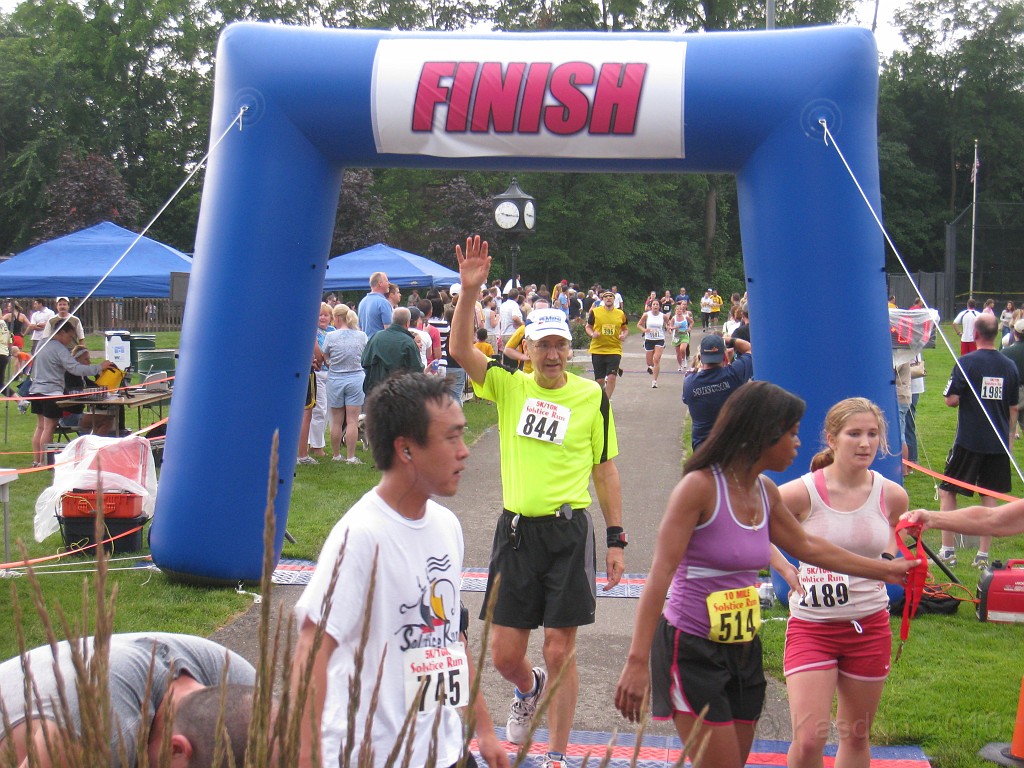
(130, 656)
(343, 349)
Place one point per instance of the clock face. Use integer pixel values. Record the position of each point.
(506, 215)
(529, 214)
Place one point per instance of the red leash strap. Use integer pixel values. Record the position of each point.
(916, 578)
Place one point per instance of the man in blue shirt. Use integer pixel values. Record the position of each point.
(374, 309)
(984, 387)
(706, 391)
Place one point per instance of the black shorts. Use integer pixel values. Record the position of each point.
(47, 408)
(650, 344)
(605, 365)
(311, 390)
(550, 579)
(688, 672)
(985, 470)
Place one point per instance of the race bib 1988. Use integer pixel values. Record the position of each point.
(992, 388)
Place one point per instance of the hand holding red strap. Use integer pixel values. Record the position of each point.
(916, 577)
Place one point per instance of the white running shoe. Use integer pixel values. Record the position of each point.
(521, 711)
(654, 385)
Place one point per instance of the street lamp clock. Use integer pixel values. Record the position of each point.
(514, 211)
(506, 214)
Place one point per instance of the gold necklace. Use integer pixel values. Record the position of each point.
(754, 510)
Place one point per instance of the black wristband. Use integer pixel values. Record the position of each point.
(888, 556)
(616, 537)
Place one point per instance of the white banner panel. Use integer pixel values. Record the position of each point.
(563, 98)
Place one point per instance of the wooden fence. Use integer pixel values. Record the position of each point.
(137, 315)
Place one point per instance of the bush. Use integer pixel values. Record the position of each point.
(580, 339)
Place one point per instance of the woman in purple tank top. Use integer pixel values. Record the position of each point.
(701, 649)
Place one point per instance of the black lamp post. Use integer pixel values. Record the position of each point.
(515, 213)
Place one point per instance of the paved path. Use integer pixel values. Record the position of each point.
(649, 426)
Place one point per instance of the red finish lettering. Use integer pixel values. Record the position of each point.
(462, 96)
(496, 97)
(430, 93)
(517, 97)
(574, 112)
(617, 98)
(533, 97)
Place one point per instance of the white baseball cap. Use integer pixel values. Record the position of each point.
(547, 322)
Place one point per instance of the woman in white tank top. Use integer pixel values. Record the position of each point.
(652, 325)
(839, 640)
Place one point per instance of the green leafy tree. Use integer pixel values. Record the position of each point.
(958, 80)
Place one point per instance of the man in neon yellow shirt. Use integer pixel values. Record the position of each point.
(556, 431)
(608, 328)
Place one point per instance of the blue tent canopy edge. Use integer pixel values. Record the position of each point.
(351, 271)
(72, 265)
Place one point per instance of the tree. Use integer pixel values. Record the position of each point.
(361, 220)
(959, 80)
(87, 191)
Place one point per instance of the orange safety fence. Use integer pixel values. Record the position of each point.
(27, 470)
(959, 483)
(18, 398)
(59, 555)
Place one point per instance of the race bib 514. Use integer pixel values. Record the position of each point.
(735, 615)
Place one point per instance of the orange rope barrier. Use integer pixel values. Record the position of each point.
(18, 398)
(960, 483)
(59, 555)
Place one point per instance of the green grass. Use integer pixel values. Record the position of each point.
(956, 685)
(954, 689)
(148, 600)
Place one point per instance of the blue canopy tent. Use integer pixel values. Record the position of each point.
(71, 265)
(351, 271)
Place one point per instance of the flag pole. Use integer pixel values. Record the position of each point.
(974, 213)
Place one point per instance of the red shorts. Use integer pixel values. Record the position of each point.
(862, 655)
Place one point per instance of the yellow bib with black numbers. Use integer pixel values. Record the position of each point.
(734, 614)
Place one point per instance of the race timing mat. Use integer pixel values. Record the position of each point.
(663, 751)
(299, 572)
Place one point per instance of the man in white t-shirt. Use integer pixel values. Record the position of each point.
(412, 548)
(964, 325)
(41, 315)
(64, 317)
(510, 316)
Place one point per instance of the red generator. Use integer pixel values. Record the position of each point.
(1001, 593)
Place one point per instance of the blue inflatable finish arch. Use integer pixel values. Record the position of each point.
(318, 101)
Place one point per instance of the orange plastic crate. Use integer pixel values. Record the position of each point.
(115, 505)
